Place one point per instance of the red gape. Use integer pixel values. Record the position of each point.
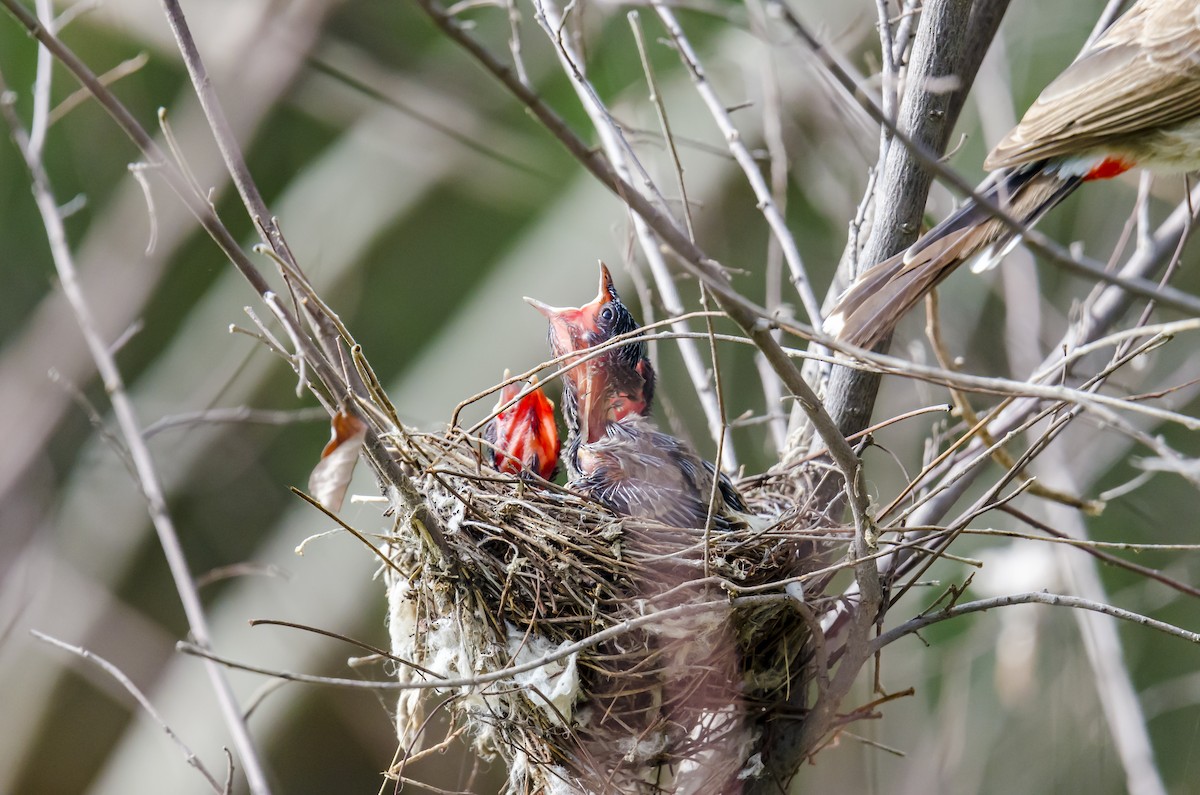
(524, 437)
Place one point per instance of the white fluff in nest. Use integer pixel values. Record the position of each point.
(557, 682)
(694, 627)
(456, 647)
(450, 508)
(638, 750)
(402, 631)
(553, 780)
(402, 625)
(753, 769)
(453, 646)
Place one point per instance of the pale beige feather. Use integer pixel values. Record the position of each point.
(1138, 82)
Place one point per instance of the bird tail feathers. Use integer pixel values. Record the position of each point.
(872, 306)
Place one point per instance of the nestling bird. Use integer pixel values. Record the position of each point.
(524, 436)
(636, 470)
(629, 377)
(1131, 99)
(615, 455)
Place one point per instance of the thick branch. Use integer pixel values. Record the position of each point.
(941, 57)
(927, 115)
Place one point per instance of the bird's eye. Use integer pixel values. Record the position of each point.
(606, 314)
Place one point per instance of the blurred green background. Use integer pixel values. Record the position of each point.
(423, 219)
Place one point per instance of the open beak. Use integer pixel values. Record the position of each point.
(525, 435)
(608, 291)
(606, 294)
(568, 326)
(573, 329)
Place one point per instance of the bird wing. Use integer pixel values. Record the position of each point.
(641, 472)
(1143, 74)
(729, 492)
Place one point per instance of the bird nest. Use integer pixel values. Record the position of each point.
(591, 652)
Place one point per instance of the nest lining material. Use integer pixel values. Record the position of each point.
(687, 673)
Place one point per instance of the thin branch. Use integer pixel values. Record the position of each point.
(270, 622)
(125, 682)
(1092, 401)
(226, 140)
(41, 87)
(241, 414)
(1040, 597)
(82, 95)
(127, 420)
(1096, 549)
(733, 138)
(679, 611)
(376, 551)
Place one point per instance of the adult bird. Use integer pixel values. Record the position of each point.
(1131, 99)
(524, 436)
(615, 455)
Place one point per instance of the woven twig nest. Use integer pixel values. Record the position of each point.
(665, 651)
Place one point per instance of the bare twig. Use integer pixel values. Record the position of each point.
(1004, 386)
(133, 690)
(561, 653)
(733, 138)
(241, 414)
(147, 472)
(82, 95)
(1096, 549)
(1040, 597)
(226, 140)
